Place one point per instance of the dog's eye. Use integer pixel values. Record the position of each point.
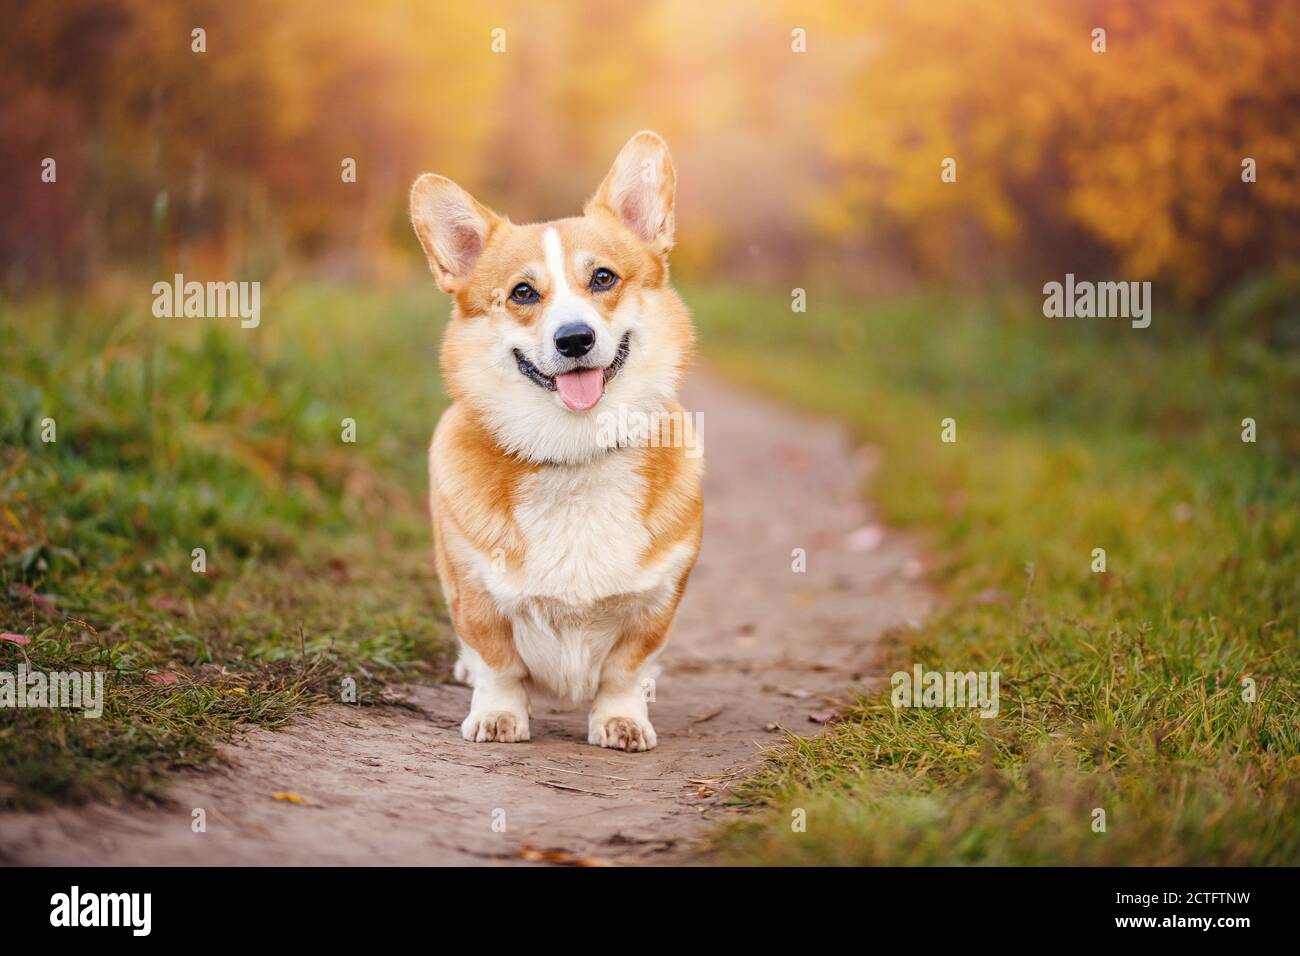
(524, 294)
(602, 279)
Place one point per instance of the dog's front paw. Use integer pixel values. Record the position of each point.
(621, 733)
(502, 726)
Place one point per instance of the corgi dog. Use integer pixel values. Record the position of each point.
(562, 544)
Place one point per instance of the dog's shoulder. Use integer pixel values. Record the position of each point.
(474, 483)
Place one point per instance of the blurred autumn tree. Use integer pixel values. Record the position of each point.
(1068, 156)
(1126, 163)
(240, 146)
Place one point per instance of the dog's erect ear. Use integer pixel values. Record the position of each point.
(453, 228)
(639, 189)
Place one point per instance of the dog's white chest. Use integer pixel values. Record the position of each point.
(581, 577)
(583, 532)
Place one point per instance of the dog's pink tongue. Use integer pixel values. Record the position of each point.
(582, 389)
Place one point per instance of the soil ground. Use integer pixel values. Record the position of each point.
(758, 650)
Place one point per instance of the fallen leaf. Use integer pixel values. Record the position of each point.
(866, 538)
(705, 715)
(43, 601)
(622, 838)
(822, 716)
(558, 857)
(291, 798)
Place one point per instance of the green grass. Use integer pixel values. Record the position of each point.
(1120, 690)
(176, 434)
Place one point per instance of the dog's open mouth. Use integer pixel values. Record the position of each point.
(581, 388)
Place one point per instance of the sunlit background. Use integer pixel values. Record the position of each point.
(1126, 162)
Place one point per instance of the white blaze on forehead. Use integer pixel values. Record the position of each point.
(553, 249)
(566, 305)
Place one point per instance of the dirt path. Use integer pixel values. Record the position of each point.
(756, 647)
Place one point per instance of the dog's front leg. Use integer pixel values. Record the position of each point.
(620, 714)
(499, 708)
(620, 717)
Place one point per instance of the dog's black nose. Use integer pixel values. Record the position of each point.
(575, 339)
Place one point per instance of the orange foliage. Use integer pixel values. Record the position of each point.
(1141, 146)
(1067, 159)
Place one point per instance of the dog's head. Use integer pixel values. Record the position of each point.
(557, 325)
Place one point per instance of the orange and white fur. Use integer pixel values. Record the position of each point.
(562, 555)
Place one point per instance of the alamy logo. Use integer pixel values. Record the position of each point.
(209, 300)
(630, 427)
(923, 688)
(1101, 300)
(73, 690)
(103, 909)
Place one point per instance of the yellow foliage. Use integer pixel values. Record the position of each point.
(1059, 150)
(1140, 145)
